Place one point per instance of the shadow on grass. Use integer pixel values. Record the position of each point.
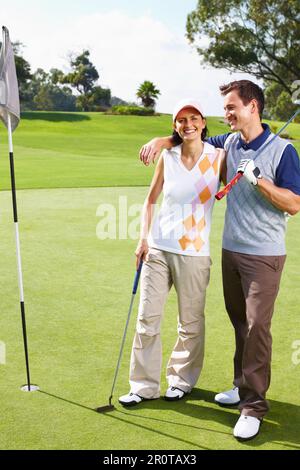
(54, 117)
(281, 426)
(139, 426)
(70, 402)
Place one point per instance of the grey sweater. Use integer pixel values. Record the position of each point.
(252, 224)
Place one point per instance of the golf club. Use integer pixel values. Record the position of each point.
(238, 176)
(111, 407)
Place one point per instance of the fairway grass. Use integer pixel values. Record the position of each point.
(65, 150)
(77, 294)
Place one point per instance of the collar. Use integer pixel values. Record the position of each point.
(177, 150)
(255, 143)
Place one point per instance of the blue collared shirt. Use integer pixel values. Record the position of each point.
(257, 142)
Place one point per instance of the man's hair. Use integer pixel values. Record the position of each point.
(247, 91)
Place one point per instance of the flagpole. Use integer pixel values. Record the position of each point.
(29, 387)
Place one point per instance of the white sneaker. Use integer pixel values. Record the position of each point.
(246, 428)
(130, 399)
(229, 398)
(174, 394)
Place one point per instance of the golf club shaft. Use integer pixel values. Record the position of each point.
(238, 176)
(134, 289)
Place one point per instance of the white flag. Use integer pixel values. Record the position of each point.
(9, 92)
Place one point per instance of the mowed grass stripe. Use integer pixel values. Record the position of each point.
(53, 169)
(56, 150)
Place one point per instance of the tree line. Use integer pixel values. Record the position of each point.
(77, 90)
(249, 36)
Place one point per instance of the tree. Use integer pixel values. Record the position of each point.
(100, 98)
(83, 78)
(22, 66)
(250, 36)
(22, 69)
(40, 90)
(53, 98)
(260, 38)
(83, 75)
(147, 94)
(279, 104)
(56, 76)
(43, 94)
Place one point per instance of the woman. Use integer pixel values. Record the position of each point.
(175, 253)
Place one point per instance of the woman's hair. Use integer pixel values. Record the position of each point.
(177, 140)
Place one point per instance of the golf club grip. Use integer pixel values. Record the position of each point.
(137, 277)
(228, 186)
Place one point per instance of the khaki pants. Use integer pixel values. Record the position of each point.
(251, 285)
(190, 276)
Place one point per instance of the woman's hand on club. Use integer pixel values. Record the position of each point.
(141, 252)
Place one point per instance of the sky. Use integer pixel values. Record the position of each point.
(129, 40)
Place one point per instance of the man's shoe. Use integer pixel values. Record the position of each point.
(174, 394)
(246, 428)
(130, 399)
(229, 398)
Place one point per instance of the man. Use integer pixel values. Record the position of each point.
(253, 242)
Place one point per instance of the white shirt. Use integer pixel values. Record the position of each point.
(183, 223)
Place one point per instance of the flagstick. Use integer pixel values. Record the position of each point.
(28, 387)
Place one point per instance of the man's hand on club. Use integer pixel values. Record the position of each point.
(249, 170)
(150, 151)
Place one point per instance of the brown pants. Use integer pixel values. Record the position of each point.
(251, 285)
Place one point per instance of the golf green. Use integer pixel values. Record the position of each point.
(77, 293)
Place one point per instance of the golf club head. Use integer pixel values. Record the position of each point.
(105, 409)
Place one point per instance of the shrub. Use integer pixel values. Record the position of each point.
(273, 128)
(285, 135)
(132, 110)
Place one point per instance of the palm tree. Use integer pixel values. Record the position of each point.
(147, 93)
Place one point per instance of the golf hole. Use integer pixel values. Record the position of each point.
(33, 388)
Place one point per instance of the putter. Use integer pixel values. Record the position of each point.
(110, 406)
(238, 176)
